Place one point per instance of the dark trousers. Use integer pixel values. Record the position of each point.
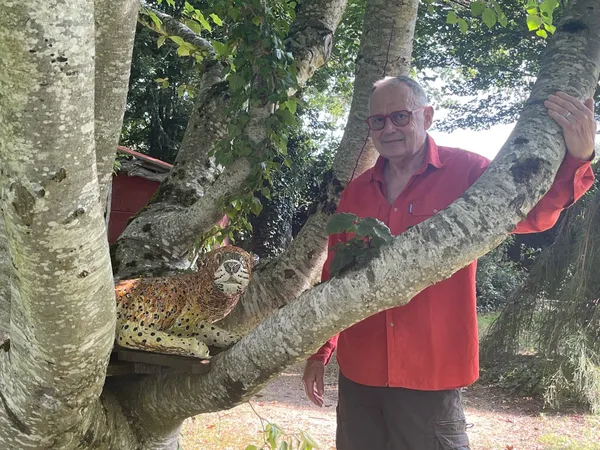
(386, 418)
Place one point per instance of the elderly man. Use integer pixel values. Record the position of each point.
(400, 370)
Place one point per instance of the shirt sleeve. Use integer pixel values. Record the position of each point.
(573, 179)
(326, 351)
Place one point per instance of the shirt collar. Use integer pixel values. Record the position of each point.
(432, 158)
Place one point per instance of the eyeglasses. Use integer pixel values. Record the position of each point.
(398, 118)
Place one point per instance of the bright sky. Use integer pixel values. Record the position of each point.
(486, 143)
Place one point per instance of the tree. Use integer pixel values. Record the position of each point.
(556, 312)
(57, 287)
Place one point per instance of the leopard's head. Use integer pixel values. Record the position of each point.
(231, 268)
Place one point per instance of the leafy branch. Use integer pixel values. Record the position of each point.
(368, 236)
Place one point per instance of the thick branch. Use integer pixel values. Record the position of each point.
(62, 305)
(115, 29)
(186, 206)
(4, 279)
(426, 253)
(173, 27)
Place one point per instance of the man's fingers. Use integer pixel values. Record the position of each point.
(568, 101)
(320, 384)
(589, 104)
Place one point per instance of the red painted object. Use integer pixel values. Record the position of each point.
(130, 193)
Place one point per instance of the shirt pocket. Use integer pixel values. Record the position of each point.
(421, 210)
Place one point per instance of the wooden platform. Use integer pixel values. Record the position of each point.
(124, 361)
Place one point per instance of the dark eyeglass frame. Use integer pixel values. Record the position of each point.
(391, 117)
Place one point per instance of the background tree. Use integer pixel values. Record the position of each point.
(54, 172)
(555, 313)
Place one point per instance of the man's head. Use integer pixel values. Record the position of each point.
(401, 137)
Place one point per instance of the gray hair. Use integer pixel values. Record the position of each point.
(420, 96)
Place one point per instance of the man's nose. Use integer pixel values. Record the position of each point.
(389, 125)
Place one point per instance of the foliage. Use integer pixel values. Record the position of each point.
(367, 236)
(556, 313)
(155, 115)
(497, 278)
(275, 438)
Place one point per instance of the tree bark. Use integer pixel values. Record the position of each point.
(186, 206)
(62, 306)
(115, 30)
(386, 47)
(427, 253)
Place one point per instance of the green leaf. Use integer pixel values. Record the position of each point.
(533, 22)
(256, 20)
(256, 206)
(452, 18)
(181, 90)
(171, 3)
(463, 25)
(286, 116)
(291, 105)
(220, 48)
(216, 19)
(370, 226)
(161, 41)
(177, 40)
(542, 34)
(477, 8)
(155, 19)
(251, 447)
(502, 20)
(341, 222)
(550, 28)
(284, 446)
(200, 18)
(236, 82)
(193, 25)
(308, 440)
(489, 17)
(183, 51)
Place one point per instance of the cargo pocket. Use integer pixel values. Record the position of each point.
(452, 434)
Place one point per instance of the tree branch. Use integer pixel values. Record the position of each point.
(427, 253)
(186, 205)
(115, 29)
(5, 269)
(389, 51)
(173, 27)
(62, 306)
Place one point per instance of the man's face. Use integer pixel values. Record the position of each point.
(399, 142)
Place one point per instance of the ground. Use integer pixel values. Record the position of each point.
(497, 421)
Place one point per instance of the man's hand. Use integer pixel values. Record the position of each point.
(577, 122)
(314, 386)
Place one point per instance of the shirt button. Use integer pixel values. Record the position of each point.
(395, 209)
(391, 324)
(435, 211)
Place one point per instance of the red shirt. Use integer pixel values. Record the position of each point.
(430, 343)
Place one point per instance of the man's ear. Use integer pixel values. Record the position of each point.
(428, 116)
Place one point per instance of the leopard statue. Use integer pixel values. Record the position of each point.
(175, 315)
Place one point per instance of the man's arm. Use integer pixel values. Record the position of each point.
(575, 174)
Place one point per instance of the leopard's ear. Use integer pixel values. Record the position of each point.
(255, 259)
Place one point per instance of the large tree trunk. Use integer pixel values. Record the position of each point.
(62, 308)
(62, 303)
